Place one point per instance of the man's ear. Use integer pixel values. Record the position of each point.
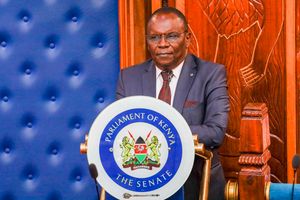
(188, 36)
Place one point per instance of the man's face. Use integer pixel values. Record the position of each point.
(167, 40)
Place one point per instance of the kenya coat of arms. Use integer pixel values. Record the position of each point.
(140, 153)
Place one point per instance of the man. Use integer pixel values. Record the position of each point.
(196, 88)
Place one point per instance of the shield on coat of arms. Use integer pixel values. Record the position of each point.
(140, 150)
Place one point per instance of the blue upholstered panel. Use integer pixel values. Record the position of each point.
(59, 61)
(280, 191)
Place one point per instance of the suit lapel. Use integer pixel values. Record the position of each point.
(149, 81)
(185, 83)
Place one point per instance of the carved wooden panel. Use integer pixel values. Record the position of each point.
(248, 37)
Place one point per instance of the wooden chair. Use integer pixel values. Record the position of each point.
(254, 173)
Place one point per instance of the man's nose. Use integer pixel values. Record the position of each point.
(163, 42)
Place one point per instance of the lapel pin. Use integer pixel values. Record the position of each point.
(191, 74)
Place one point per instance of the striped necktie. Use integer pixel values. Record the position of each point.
(165, 91)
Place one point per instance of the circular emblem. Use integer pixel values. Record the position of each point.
(142, 148)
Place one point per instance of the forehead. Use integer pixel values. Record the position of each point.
(165, 22)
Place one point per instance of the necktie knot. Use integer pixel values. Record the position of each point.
(167, 75)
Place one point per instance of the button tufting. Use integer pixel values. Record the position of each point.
(25, 18)
(29, 173)
(30, 176)
(75, 122)
(53, 98)
(3, 43)
(53, 148)
(54, 151)
(74, 19)
(28, 71)
(5, 98)
(51, 41)
(73, 14)
(51, 94)
(27, 67)
(77, 125)
(6, 145)
(75, 72)
(47, 55)
(100, 99)
(52, 45)
(28, 120)
(7, 150)
(24, 15)
(76, 174)
(74, 69)
(100, 44)
(78, 178)
(29, 124)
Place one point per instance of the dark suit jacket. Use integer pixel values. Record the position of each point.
(201, 97)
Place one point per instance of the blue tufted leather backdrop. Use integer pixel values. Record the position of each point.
(59, 61)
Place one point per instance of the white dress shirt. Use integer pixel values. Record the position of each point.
(173, 83)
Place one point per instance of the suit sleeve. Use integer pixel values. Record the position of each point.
(120, 92)
(212, 131)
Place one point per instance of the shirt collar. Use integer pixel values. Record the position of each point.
(176, 71)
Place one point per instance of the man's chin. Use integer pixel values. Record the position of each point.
(164, 64)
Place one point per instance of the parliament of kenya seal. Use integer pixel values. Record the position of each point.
(142, 148)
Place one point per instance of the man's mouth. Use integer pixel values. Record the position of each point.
(163, 54)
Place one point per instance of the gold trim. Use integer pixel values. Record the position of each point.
(83, 146)
(102, 197)
(207, 155)
(267, 190)
(232, 190)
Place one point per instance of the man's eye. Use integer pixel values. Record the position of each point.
(154, 37)
(172, 36)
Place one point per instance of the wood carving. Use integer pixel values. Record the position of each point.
(246, 36)
(255, 172)
(257, 160)
(232, 18)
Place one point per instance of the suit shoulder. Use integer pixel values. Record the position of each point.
(208, 65)
(138, 68)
